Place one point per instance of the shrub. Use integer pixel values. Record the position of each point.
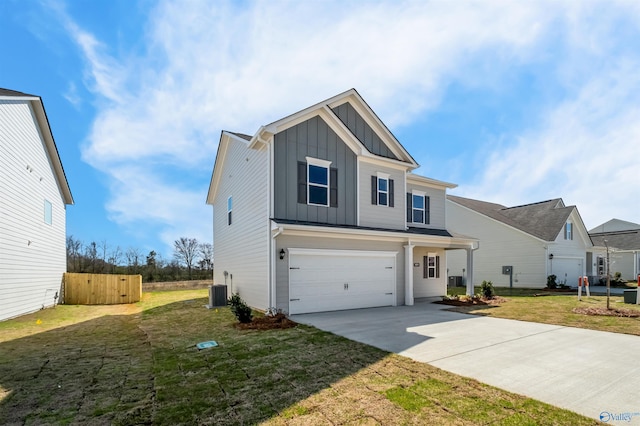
(551, 281)
(240, 309)
(487, 290)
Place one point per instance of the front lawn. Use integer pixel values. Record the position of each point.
(137, 364)
(556, 308)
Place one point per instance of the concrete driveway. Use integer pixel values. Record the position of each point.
(590, 372)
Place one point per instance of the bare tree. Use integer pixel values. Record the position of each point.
(73, 252)
(114, 258)
(133, 256)
(185, 251)
(91, 253)
(205, 250)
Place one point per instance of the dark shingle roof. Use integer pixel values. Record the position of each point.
(241, 135)
(543, 220)
(9, 92)
(418, 231)
(623, 240)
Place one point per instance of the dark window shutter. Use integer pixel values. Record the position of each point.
(437, 266)
(333, 188)
(425, 267)
(427, 217)
(302, 182)
(374, 190)
(409, 208)
(391, 193)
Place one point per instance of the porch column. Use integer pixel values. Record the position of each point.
(408, 274)
(469, 271)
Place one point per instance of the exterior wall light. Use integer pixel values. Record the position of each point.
(551, 256)
(281, 254)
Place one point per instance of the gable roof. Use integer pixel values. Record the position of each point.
(49, 142)
(622, 240)
(615, 225)
(543, 220)
(327, 110)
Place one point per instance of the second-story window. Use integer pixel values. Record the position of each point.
(418, 208)
(229, 209)
(568, 231)
(318, 181)
(381, 190)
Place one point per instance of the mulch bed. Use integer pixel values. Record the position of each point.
(496, 300)
(614, 312)
(271, 322)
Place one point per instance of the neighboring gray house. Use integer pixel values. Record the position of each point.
(623, 239)
(33, 196)
(319, 211)
(535, 240)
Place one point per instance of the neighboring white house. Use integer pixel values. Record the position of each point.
(33, 196)
(319, 211)
(519, 245)
(623, 240)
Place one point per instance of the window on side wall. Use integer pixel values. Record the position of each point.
(229, 210)
(48, 212)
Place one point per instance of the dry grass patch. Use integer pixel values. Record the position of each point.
(142, 367)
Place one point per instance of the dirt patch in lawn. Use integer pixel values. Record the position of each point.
(268, 322)
(615, 312)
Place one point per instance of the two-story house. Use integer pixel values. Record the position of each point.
(319, 211)
(33, 196)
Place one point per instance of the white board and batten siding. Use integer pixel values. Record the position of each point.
(500, 245)
(32, 252)
(376, 215)
(246, 241)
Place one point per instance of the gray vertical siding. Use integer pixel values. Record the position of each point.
(365, 134)
(313, 138)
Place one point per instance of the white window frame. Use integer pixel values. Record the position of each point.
(327, 166)
(413, 208)
(48, 212)
(385, 177)
(431, 269)
(568, 233)
(229, 210)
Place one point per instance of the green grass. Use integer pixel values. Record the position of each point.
(555, 308)
(137, 364)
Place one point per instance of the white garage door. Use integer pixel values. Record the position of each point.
(567, 270)
(332, 280)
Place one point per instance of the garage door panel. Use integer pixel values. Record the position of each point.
(324, 282)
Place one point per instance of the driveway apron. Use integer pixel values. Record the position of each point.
(593, 373)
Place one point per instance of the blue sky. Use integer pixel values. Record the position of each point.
(516, 102)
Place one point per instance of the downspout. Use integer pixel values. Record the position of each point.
(272, 283)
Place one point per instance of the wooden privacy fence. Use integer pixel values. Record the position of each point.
(101, 289)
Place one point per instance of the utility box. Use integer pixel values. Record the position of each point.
(630, 296)
(506, 270)
(455, 281)
(217, 296)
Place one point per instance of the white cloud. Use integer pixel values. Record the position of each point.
(210, 66)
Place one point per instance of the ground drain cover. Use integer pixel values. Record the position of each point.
(207, 345)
